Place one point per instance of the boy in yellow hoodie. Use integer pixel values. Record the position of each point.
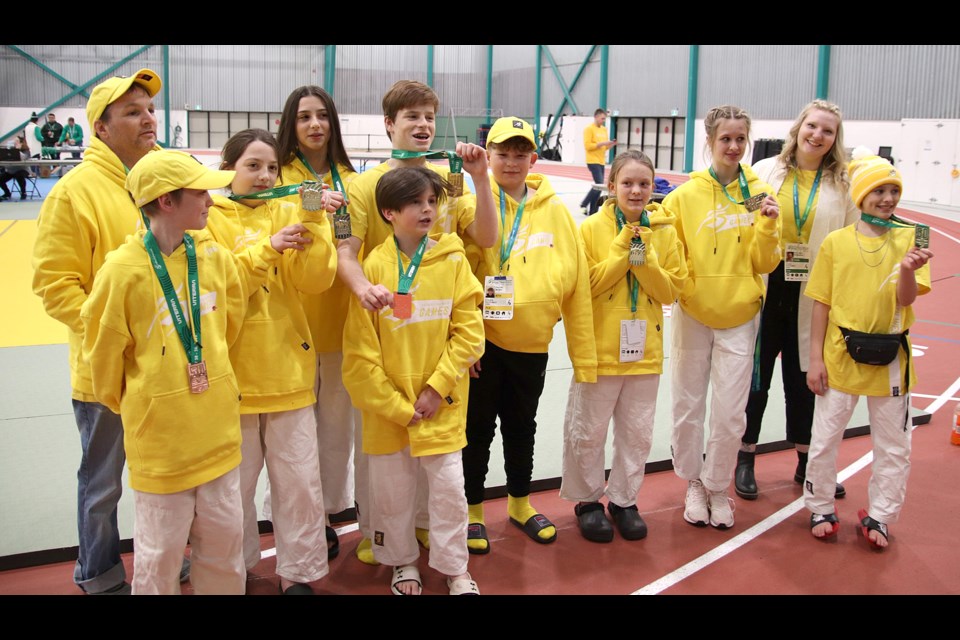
(157, 328)
(636, 266)
(538, 272)
(405, 366)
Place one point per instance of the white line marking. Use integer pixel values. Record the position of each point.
(708, 558)
(269, 553)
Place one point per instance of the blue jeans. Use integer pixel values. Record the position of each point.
(99, 486)
(590, 200)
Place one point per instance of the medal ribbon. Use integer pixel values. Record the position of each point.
(893, 222)
(406, 278)
(191, 346)
(335, 176)
(456, 162)
(744, 189)
(267, 194)
(505, 250)
(796, 201)
(632, 282)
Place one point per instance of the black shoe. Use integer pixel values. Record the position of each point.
(333, 543)
(801, 474)
(744, 480)
(6, 196)
(297, 589)
(629, 523)
(593, 523)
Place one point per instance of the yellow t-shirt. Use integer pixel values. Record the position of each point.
(592, 136)
(789, 231)
(857, 276)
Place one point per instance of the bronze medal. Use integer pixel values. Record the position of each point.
(312, 197)
(341, 226)
(402, 306)
(753, 202)
(197, 373)
(456, 184)
(638, 252)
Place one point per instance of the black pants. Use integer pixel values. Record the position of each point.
(778, 335)
(20, 176)
(509, 386)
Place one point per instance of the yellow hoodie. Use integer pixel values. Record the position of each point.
(274, 356)
(174, 439)
(550, 278)
(86, 215)
(387, 362)
(326, 312)
(660, 278)
(727, 249)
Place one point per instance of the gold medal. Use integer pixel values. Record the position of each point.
(922, 237)
(341, 226)
(638, 252)
(312, 196)
(456, 184)
(753, 202)
(197, 373)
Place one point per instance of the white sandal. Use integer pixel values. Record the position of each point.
(463, 587)
(406, 573)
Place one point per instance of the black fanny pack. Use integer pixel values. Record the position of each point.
(873, 348)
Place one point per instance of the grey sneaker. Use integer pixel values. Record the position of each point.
(721, 509)
(695, 511)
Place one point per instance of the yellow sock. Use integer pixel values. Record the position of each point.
(520, 510)
(365, 552)
(475, 516)
(423, 537)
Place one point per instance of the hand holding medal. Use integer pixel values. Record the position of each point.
(768, 205)
(915, 258)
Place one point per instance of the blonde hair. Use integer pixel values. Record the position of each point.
(835, 162)
(724, 112)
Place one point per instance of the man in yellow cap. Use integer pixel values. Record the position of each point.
(87, 214)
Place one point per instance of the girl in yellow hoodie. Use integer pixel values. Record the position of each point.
(636, 266)
(728, 223)
(274, 356)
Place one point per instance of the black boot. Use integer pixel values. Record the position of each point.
(744, 482)
(801, 474)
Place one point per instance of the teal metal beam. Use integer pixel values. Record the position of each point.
(604, 63)
(489, 82)
(691, 119)
(92, 81)
(53, 73)
(538, 81)
(166, 96)
(329, 67)
(566, 91)
(823, 71)
(430, 65)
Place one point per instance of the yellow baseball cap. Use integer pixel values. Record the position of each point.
(510, 127)
(163, 171)
(106, 92)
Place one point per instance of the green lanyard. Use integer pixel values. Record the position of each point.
(505, 250)
(796, 201)
(456, 162)
(334, 174)
(192, 346)
(744, 189)
(405, 279)
(267, 194)
(632, 282)
(890, 223)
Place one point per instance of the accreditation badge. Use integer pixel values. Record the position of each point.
(796, 262)
(197, 374)
(633, 338)
(312, 197)
(456, 184)
(753, 202)
(402, 306)
(498, 298)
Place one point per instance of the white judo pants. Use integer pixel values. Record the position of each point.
(211, 516)
(631, 401)
(287, 441)
(721, 359)
(393, 488)
(890, 432)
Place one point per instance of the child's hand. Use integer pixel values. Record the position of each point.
(770, 207)
(417, 416)
(427, 402)
(290, 237)
(817, 378)
(333, 200)
(915, 258)
(474, 158)
(376, 297)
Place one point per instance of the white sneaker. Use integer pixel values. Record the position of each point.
(695, 511)
(721, 509)
(584, 211)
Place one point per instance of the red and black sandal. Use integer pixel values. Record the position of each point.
(821, 518)
(868, 524)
